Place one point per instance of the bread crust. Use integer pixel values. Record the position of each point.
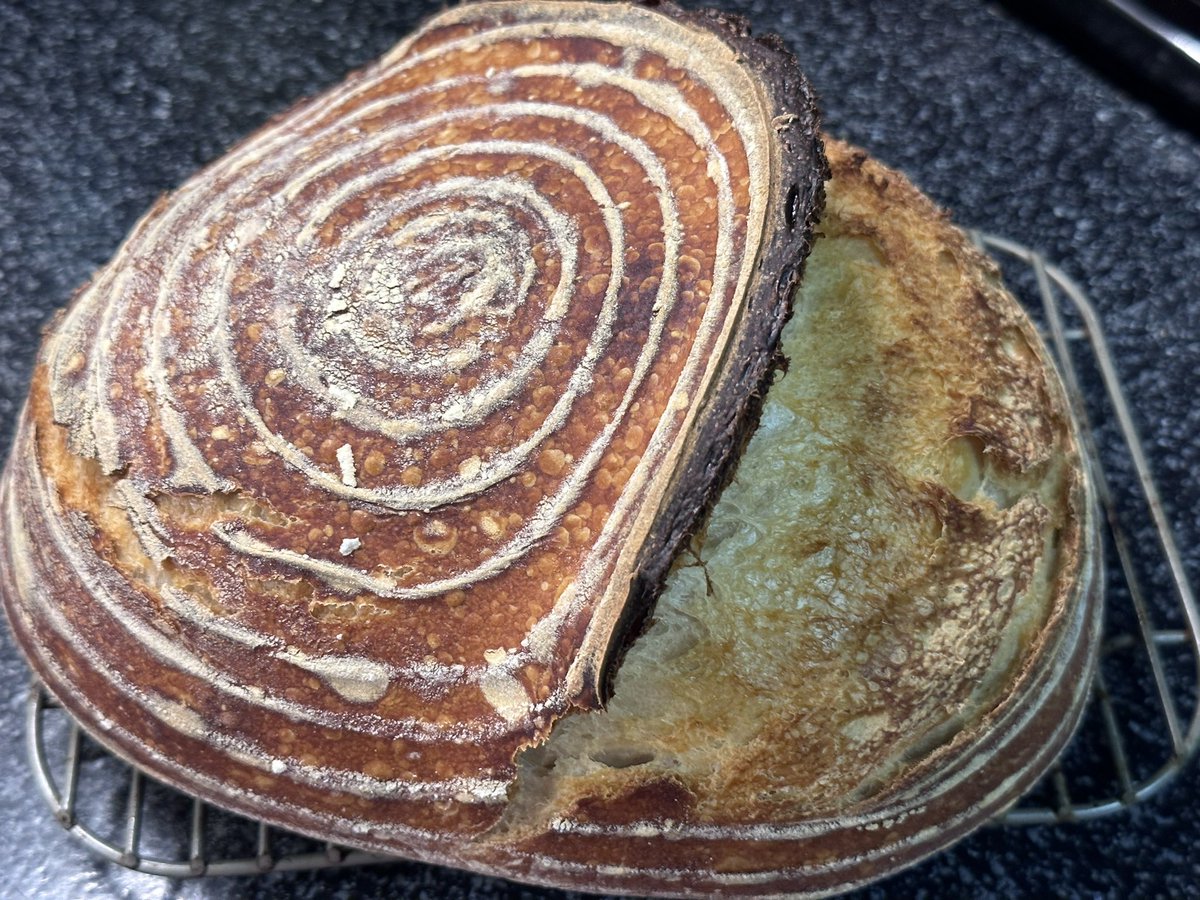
(286, 523)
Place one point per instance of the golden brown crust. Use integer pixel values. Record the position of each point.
(333, 484)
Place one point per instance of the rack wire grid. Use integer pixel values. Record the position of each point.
(1141, 725)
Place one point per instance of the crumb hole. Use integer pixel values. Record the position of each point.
(964, 466)
(622, 757)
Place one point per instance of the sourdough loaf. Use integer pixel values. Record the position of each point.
(342, 488)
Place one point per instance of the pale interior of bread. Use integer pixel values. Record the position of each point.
(872, 579)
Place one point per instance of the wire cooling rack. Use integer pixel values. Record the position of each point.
(1141, 726)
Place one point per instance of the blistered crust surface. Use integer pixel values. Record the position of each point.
(884, 629)
(332, 482)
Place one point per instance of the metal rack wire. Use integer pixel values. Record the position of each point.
(1136, 778)
(1142, 725)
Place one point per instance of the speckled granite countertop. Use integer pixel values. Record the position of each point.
(102, 108)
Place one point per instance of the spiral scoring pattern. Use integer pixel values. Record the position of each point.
(372, 400)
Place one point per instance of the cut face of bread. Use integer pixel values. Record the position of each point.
(339, 484)
(890, 611)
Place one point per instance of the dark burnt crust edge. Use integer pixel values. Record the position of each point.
(752, 355)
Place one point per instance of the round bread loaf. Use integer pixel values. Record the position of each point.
(341, 489)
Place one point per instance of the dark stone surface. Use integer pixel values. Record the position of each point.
(104, 105)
